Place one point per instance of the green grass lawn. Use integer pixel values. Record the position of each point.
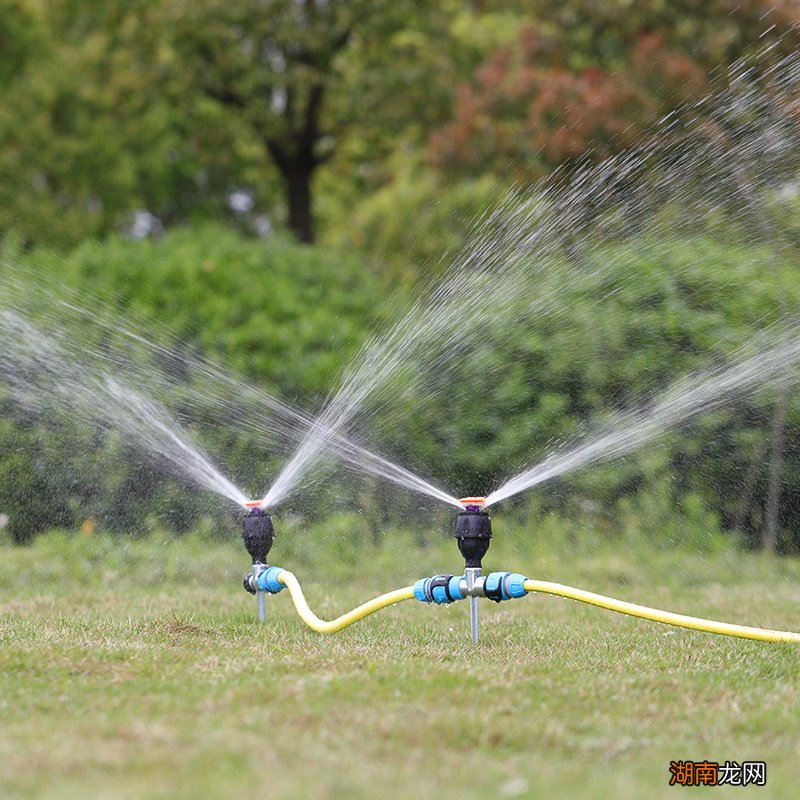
(141, 672)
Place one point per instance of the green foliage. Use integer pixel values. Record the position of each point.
(171, 106)
(416, 219)
(712, 33)
(591, 78)
(286, 318)
(289, 321)
(530, 387)
(18, 38)
(100, 124)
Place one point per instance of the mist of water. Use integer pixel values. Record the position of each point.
(44, 372)
(256, 412)
(628, 431)
(726, 157)
(96, 383)
(723, 157)
(484, 284)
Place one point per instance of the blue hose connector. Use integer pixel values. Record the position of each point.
(516, 585)
(267, 581)
(419, 590)
(504, 586)
(439, 589)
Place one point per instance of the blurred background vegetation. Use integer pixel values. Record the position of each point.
(257, 174)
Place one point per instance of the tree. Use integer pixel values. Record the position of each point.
(173, 106)
(90, 129)
(271, 64)
(275, 66)
(590, 78)
(713, 33)
(526, 112)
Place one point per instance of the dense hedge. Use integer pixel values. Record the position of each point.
(289, 318)
(284, 314)
(615, 338)
(284, 317)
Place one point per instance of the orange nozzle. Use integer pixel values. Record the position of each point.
(472, 501)
(253, 503)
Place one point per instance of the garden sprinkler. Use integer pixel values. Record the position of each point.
(258, 534)
(474, 535)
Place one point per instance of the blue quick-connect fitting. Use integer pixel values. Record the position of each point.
(267, 581)
(516, 585)
(442, 589)
(439, 589)
(504, 586)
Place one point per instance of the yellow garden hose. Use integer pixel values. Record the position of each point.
(334, 626)
(667, 617)
(287, 579)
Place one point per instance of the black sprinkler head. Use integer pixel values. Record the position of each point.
(258, 534)
(473, 533)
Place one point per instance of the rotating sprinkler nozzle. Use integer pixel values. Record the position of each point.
(474, 535)
(258, 534)
(473, 531)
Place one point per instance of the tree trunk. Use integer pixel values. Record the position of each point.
(296, 168)
(764, 229)
(297, 179)
(748, 488)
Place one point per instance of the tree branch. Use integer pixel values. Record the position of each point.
(226, 96)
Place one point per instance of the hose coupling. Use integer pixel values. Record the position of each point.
(439, 589)
(251, 577)
(496, 586)
(500, 586)
(263, 580)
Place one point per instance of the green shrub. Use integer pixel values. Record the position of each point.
(615, 339)
(289, 318)
(416, 219)
(286, 317)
